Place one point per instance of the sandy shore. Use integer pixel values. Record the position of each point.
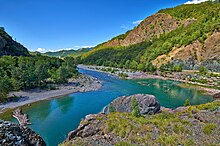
(83, 83)
(142, 75)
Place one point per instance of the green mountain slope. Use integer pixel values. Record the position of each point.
(187, 27)
(65, 53)
(62, 53)
(80, 52)
(10, 47)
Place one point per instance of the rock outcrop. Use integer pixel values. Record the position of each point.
(148, 104)
(193, 125)
(197, 52)
(14, 135)
(22, 118)
(154, 25)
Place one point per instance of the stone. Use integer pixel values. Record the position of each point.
(200, 118)
(90, 117)
(18, 135)
(148, 104)
(217, 95)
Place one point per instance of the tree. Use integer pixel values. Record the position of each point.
(41, 70)
(127, 64)
(5, 86)
(150, 67)
(135, 107)
(187, 102)
(133, 65)
(141, 67)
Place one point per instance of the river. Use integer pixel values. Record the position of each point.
(53, 119)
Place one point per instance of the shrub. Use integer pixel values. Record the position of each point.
(177, 68)
(208, 128)
(135, 107)
(203, 70)
(187, 102)
(111, 108)
(123, 144)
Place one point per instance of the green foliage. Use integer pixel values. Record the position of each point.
(203, 70)
(141, 67)
(149, 67)
(135, 107)
(123, 75)
(209, 128)
(123, 144)
(209, 106)
(120, 57)
(133, 65)
(151, 26)
(177, 68)
(202, 81)
(127, 126)
(17, 73)
(187, 102)
(5, 86)
(170, 67)
(111, 108)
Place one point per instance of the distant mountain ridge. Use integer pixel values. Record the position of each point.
(62, 53)
(10, 47)
(65, 53)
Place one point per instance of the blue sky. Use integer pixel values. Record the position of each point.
(45, 25)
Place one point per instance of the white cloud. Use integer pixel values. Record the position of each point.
(137, 22)
(125, 26)
(195, 1)
(66, 49)
(76, 47)
(89, 46)
(52, 51)
(42, 50)
(130, 25)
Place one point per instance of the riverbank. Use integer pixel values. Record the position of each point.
(207, 89)
(83, 83)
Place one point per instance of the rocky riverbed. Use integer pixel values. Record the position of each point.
(185, 76)
(14, 135)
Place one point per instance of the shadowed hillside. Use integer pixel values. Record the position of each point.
(10, 47)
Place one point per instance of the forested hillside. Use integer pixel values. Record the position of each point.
(19, 73)
(188, 35)
(10, 47)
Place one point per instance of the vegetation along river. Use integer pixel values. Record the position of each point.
(53, 119)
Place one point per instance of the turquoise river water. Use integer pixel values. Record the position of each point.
(53, 119)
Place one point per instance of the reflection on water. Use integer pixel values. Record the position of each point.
(55, 118)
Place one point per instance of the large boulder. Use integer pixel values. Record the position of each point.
(14, 135)
(148, 104)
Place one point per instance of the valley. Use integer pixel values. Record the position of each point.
(156, 84)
